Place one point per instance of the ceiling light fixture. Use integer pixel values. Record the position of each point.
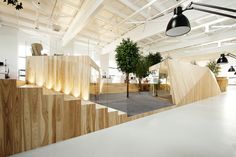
(179, 23)
(223, 58)
(18, 5)
(231, 69)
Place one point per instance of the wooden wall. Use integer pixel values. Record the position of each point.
(118, 88)
(190, 83)
(32, 116)
(68, 74)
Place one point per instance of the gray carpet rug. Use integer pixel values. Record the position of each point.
(137, 102)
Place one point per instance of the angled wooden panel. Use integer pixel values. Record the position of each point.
(190, 83)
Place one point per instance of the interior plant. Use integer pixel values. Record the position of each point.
(127, 57)
(142, 70)
(154, 58)
(214, 67)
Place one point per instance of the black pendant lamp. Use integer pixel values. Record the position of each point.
(222, 59)
(178, 24)
(231, 69)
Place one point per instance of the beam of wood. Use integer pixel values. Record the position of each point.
(88, 9)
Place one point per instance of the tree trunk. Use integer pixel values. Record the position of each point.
(140, 85)
(127, 81)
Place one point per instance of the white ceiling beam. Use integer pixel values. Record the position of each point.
(159, 5)
(133, 7)
(194, 47)
(83, 17)
(151, 28)
(113, 10)
(186, 40)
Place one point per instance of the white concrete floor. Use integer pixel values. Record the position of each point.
(202, 129)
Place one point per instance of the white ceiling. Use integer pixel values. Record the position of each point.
(106, 22)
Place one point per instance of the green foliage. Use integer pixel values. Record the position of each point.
(127, 56)
(142, 68)
(214, 67)
(153, 59)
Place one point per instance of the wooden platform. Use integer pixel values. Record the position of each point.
(32, 117)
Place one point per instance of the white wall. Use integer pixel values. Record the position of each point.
(16, 44)
(8, 49)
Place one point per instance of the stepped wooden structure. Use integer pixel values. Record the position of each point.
(188, 83)
(33, 116)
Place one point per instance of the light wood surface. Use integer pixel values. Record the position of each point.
(67, 74)
(118, 87)
(32, 116)
(189, 83)
(223, 83)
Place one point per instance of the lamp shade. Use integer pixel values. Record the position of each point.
(178, 24)
(222, 59)
(231, 69)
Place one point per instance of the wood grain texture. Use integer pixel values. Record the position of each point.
(32, 117)
(188, 83)
(67, 74)
(118, 88)
(113, 118)
(223, 83)
(10, 118)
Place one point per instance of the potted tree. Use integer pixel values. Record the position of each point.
(127, 57)
(214, 67)
(222, 81)
(142, 70)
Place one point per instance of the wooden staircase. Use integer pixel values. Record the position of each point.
(31, 117)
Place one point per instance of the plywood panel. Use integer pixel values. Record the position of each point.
(68, 74)
(72, 117)
(223, 83)
(31, 101)
(101, 118)
(88, 115)
(190, 83)
(118, 88)
(113, 118)
(10, 118)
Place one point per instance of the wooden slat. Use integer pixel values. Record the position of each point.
(67, 74)
(113, 118)
(71, 119)
(101, 118)
(118, 88)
